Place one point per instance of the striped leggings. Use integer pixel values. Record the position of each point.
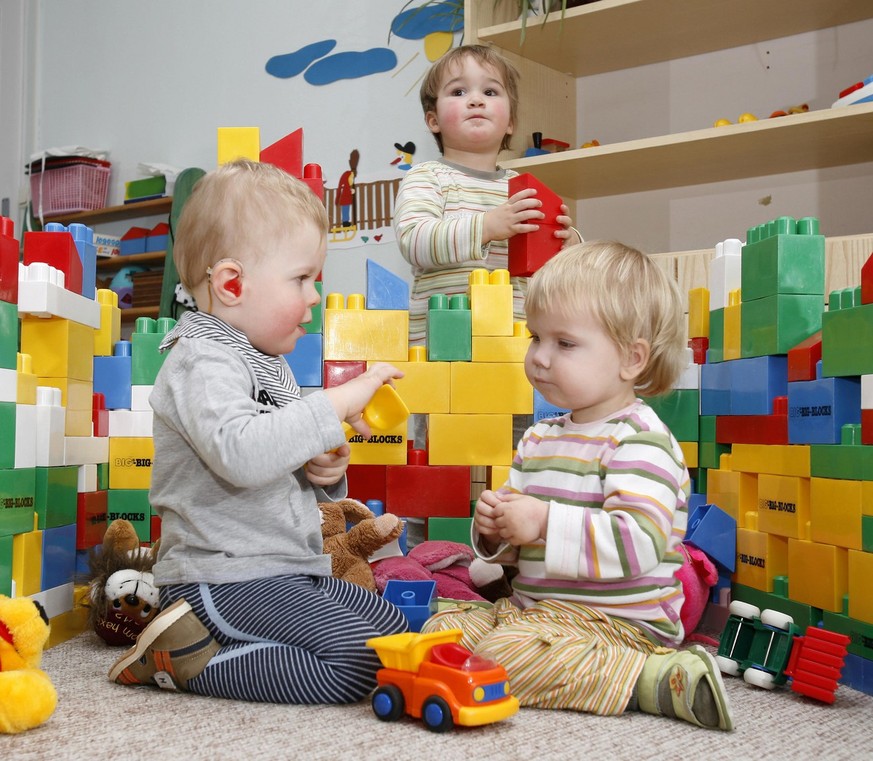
(558, 654)
(290, 639)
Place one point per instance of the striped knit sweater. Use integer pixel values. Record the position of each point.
(618, 492)
(438, 219)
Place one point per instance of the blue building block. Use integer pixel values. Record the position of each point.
(83, 237)
(755, 382)
(715, 388)
(112, 377)
(385, 290)
(543, 409)
(818, 409)
(857, 673)
(417, 600)
(306, 360)
(713, 531)
(58, 556)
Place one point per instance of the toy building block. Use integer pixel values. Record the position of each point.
(725, 272)
(132, 505)
(491, 303)
(87, 478)
(8, 262)
(417, 600)
(83, 237)
(713, 531)
(100, 416)
(783, 256)
(502, 348)
(470, 439)
(505, 383)
(130, 462)
(313, 177)
(860, 599)
(17, 499)
(818, 409)
(134, 241)
(419, 490)
(817, 574)
(498, 475)
(867, 426)
(58, 556)
(760, 558)
(25, 436)
(450, 530)
(733, 327)
(58, 348)
(26, 381)
(867, 281)
(803, 615)
(50, 424)
(77, 401)
(130, 423)
(849, 459)
(679, 409)
(366, 482)
(27, 563)
(715, 389)
(835, 511)
(425, 386)
(238, 143)
(689, 379)
(286, 153)
(145, 187)
(157, 238)
(449, 329)
(337, 372)
(847, 335)
(146, 360)
(529, 251)
(354, 332)
(9, 384)
(41, 293)
(316, 324)
(109, 330)
(82, 450)
(57, 249)
(755, 429)
(698, 313)
(775, 324)
(783, 505)
(8, 335)
(789, 460)
(388, 447)
(7, 440)
(385, 290)
(803, 359)
(112, 376)
(700, 346)
(306, 360)
(544, 409)
(139, 397)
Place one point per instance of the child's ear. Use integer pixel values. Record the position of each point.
(430, 119)
(227, 281)
(635, 360)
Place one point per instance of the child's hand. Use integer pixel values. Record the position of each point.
(521, 519)
(567, 234)
(350, 399)
(483, 519)
(517, 215)
(328, 468)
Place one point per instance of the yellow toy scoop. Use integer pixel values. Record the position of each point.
(385, 411)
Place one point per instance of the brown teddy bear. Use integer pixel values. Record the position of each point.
(351, 549)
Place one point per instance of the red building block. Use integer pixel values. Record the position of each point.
(99, 415)
(755, 429)
(802, 359)
(867, 281)
(91, 510)
(286, 153)
(418, 490)
(699, 346)
(8, 262)
(366, 482)
(155, 527)
(529, 251)
(338, 371)
(867, 426)
(312, 176)
(58, 250)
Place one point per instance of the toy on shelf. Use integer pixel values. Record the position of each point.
(768, 650)
(431, 677)
(543, 146)
(749, 117)
(860, 92)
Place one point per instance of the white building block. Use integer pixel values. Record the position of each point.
(8, 385)
(139, 398)
(130, 422)
(81, 450)
(50, 421)
(867, 392)
(725, 272)
(57, 600)
(41, 293)
(690, 377)
(25, 436)
(87, 478)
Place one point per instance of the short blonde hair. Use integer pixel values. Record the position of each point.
(237, 211)
(486, 56)
(629, 295)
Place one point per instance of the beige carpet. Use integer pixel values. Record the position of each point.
(97, 720)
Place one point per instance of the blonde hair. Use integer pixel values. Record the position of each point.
(484, 55)
(628, 294)
(238, 211)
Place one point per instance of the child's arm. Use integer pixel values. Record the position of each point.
(350, 398)
(327, 469)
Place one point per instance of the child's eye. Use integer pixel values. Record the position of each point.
(566, 344)
(534, 339)
(457, 91)
(492, 92)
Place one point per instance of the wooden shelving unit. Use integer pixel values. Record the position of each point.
(115, 262)
(152, 207)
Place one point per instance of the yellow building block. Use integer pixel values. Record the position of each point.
(503, 348)
(690, 452)
(67, 625)
(491, 388)
(27, 563)
(425, 385)
(374, 335)
(383, 448)
(835, 512)
(109, 332)
(817, 574)
(470, 439)
(760, 558)
(866, 497)
(859, 574)
(58, 348)
(783, 505)
(732, 330)
(238, 143)
(27, 380)
(130, 462)
(698, 313)
(499, 476)
(777, 459)
(77, 399)
(723, 490)
(491, 302)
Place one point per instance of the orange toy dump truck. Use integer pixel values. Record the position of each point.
(431, 677)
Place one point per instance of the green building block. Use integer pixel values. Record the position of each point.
(450, 529)
(132, 505)
(316, 324)
(860, 633)
(7, 434)
(780, 259)
(867, 533)
(680, 412)
(8, 337)
(449, 329)
(715, 353)
(698, 476)
(102, 476)
(146, 360)
(17, 500)
(847, 460)
(775, 324)
(803, 615)
(56, 496)
(6, 565)
(847, 335)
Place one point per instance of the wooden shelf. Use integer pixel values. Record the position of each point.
(813, 140)
(610, 35)
(154, 206)
(128, 315)
(117, 262)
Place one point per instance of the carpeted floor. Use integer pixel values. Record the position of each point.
(97, 720)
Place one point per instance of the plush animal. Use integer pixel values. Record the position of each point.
(27, 696)
(698, 575)
(122, 595)
(350, 550)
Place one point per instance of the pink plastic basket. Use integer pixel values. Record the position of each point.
(77, 187)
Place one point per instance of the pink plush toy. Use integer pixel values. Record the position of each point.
(697, 574)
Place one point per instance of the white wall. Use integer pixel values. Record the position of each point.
(690, 94)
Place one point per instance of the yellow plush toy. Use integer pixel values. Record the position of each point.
(27, 696)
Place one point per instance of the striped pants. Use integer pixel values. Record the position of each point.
(291, 639)
(558, 654)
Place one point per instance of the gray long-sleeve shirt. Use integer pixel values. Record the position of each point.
(228, 478)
